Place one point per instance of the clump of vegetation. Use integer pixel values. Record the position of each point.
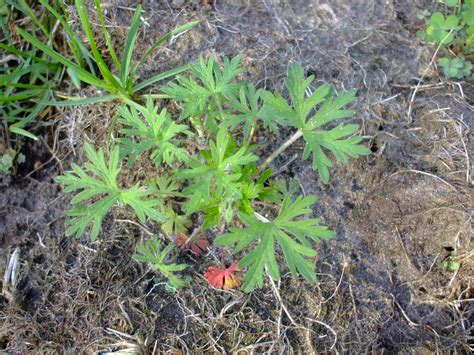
(83, 66)
(207, 172)
(30, 82)
(151, 252)
(207, 176)
(453, 32)
(27, 76)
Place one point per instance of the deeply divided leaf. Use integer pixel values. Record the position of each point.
(151, 252)
(146, 130)
(292, 235)
(99, 192)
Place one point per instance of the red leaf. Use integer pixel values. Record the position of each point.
(197, 244)
(224, 278)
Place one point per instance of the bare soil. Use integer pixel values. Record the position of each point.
(401, 215)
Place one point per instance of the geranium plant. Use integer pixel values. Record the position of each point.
(211, 176)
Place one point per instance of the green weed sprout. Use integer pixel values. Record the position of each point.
(208, 166)
(151, 252)
(9, 159)
(293, 236)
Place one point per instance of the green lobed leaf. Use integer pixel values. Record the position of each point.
(203, 91)
(146, 130)
(98, 182)
(151, 252)
(221, 168)
(246, 109)
(291, 234)
(335, 141)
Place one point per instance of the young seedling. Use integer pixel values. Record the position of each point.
(208, 173)
(302, 113)
(293, 237)
(151, 252)
(154, 133)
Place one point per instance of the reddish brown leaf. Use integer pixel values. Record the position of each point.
(224, 278)
(197, 244)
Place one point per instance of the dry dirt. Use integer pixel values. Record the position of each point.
(400, 214)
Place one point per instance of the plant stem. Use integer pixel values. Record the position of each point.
(219, 106)
(282, 148)
(252, 130)
(261, 218)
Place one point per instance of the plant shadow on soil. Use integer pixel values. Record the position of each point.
(399, 214)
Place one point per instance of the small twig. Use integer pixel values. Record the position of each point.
(413, 324)
(228, 306)
(327, 327)
(454, 276)
(10, 277)
(282, 305)
(355, 312)
(291, 160)
(385, 100)
(357, 42)
(424, 173)
(403, 247)
(468, 161)
(464, 300)
(338, 284)
(125, 315)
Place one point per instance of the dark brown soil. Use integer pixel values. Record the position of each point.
(400, 214)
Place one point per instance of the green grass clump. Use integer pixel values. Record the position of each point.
(28, 80)
(82, 67)
(29, 85)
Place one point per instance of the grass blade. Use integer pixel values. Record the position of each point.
(83, 74)
(81, 101)
(128, 51)
(103, 68)
(107, 36)
(20, 71)
(24, 55)
(75, 43)
(27, 86)
(167, 36)
(161, 76)
(19, 130)
(20, 96)
(23, 7)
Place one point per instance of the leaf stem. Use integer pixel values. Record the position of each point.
(219, 106)
(252, 130)
(261, 218)
(282, 148)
